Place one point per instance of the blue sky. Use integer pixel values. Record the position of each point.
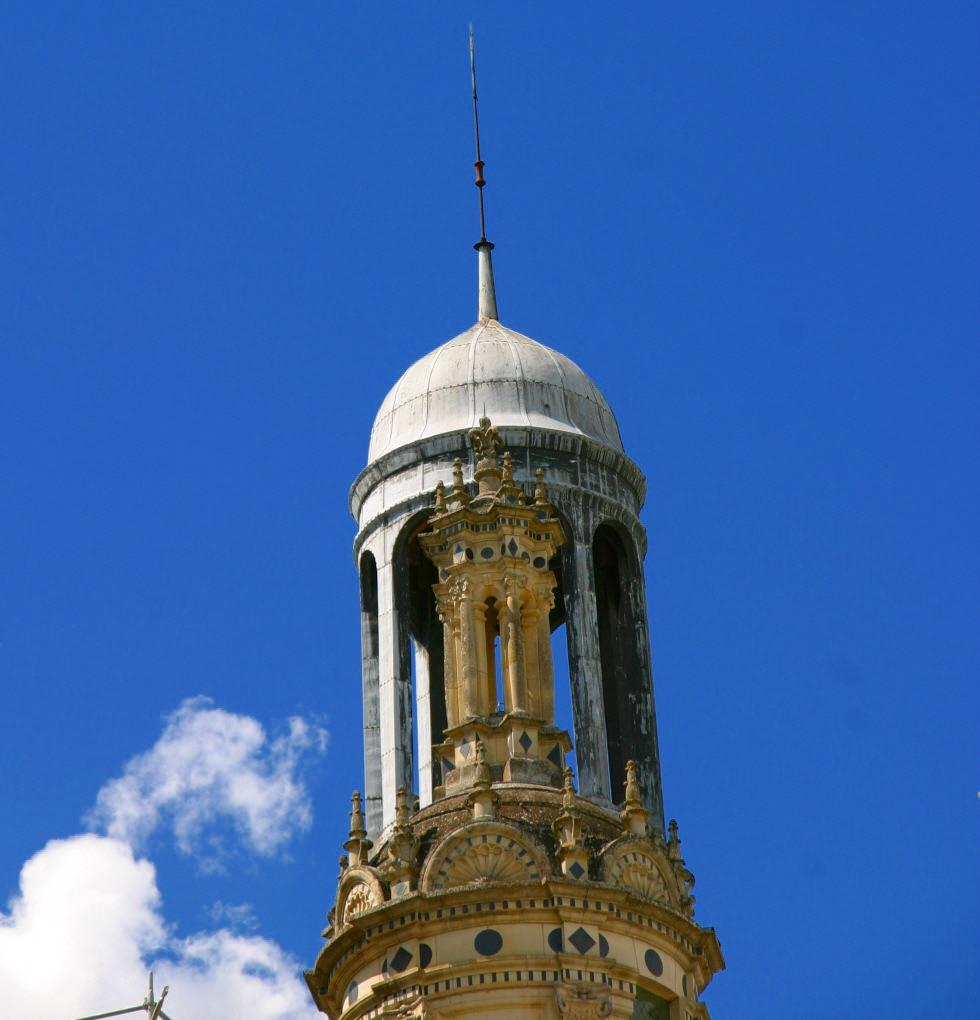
(226, 232)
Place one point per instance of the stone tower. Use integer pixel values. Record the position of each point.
(499, 507)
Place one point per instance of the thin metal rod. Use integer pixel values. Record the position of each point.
(141, 1008)
(480, 181)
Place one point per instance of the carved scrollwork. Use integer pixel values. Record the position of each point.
(361, 889)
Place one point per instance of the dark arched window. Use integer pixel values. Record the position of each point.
(621, 653)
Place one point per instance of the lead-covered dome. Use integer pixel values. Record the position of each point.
(491, 370)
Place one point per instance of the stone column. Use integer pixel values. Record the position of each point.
(516, 677)
(370, 693)
(585, 669)
(450, 640)
(532, 659)
(546, 666)
(468, 639)
(394, 696)
(423, 709)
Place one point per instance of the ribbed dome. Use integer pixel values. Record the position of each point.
(491, 369)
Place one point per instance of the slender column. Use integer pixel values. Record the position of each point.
(467, 655)
(423, 709)
(585, 674)
(545, 664)
(450, 639)
(515, 655)
(395, 697)
(532, 660)
(484, 682)
(370, 692)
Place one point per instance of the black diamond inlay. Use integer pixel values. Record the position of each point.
(512, 546)
(554, 755)
(425, 954)
(401, 960)
(581, 940)
(448, 765)
(555, 941)
(458, 549)
(443, 574)
(488, 942)
(465, 747)
(577, 870)
(603, 946)
(525, 741)
(352, 992)
(654, 964)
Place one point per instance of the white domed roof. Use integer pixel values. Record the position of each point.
(491, 369)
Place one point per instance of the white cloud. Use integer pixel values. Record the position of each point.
(86, 926)
(208, 766)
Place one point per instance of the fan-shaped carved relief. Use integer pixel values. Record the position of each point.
(360, 890)
(483, 853)
(360, 898)
(634, 866)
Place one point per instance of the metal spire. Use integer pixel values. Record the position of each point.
(487, 297)
(152, 1006)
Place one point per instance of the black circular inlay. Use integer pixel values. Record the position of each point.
(555, 942)
(603, 946)
(654, 964)
(425, 954)
(539, 562)
(525, 556)
(352, 992)
(488, 942)
(486, 552)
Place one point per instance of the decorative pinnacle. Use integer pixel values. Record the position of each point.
(401, 808)
(357, 830)
(440, 497)
(568, 792)
(674, 841)
(483, 778)
(460, 494)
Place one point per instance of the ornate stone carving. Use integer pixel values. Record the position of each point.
(578, 1003)
(481, 853)
(634, 864)
(359, 899)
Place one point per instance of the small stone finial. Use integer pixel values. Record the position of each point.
(402, 816)
(508, 473)
(486, 443)
(459, 494)
(356, 817)
(634, 815)
(540, 490)
(357, 845)
(440, 497)
(568, 790)
(673, 841)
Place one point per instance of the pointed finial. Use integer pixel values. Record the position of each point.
(460, 495)
(487, 296)
(401, 808)
(568, 792)
(673, 841)
(440, 497)
(356, 816)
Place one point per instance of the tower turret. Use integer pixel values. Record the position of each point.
(479, 882)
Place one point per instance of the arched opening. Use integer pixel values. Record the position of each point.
(622, 636)
(368, 572)
(422, 645)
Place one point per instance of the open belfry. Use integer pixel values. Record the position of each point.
(499, 511)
